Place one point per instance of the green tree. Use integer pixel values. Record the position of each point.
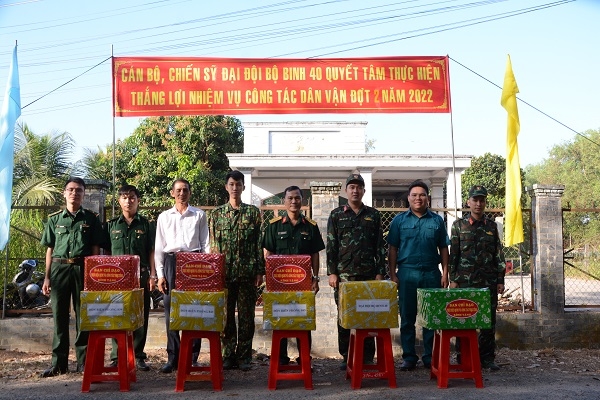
(162, 149)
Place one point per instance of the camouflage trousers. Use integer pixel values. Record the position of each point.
(486, 337)
(237, 340)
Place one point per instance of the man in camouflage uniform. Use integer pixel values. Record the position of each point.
(355, 252)
(235, 232)
(132, 233)
(70, 235)
(294, 234)
(476, 260)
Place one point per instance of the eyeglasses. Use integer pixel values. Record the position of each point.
(74, 190)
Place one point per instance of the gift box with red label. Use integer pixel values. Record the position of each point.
(111, 273)
(289, 273)
(204, 272)
(466, 308)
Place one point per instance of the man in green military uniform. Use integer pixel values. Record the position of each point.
(131, 233)
(70, 235)
(476, 260)
(235, 232)
(294, 234)
(355, 252)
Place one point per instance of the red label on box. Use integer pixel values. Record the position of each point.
(203, 272)
(111, 273)
(287, 273)
(462, 308)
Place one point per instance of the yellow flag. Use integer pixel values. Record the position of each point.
(513, 216)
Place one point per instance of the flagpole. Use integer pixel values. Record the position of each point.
(452, 139)
(114, 173)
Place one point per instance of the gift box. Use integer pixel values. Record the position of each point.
(468, 308)
(289, 311)
(111, 273)
(288, 273)
(368, 305)
(112, 310)
(200, 272)
(198, 311)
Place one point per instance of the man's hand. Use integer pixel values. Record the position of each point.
(152, 284)
(258, 280)
(162, 285)
(378, 277)
(394, 279)
(46, 287)
(314, 286)
(500, 288)
(333, 281)
(444, 281)
(453, 285)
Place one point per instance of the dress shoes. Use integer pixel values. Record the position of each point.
(407, 366)
(168, 368)
(141, 365)
(53, 371)
(80, 368)
(228, 364)
(113, 364)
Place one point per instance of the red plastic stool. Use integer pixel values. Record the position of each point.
(282, 372)
(384, 369)
(95, 371)
(469, 367)
(185, 370)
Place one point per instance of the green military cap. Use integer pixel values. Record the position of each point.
(355, 178)
(477, 190)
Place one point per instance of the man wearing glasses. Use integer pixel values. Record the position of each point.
(70, 235)
(417, 244)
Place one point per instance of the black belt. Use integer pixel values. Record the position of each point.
(172, 253)
(74, 260)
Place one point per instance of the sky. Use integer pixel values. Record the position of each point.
(64, 50)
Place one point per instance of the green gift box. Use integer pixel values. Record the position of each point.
(468, 308)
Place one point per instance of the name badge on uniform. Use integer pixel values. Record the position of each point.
(281, 233)
(139, 231)
(368, 219)
(115, 231)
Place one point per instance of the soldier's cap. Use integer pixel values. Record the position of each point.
(477, 190)
(355, 178)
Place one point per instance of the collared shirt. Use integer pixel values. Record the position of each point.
(72, 235)
(136, 238)
(418, 239)
(355, 242)
(235, 233)
(179, 232)
(476, 257)
(281, 237)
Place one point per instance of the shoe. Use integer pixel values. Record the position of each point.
(407, 366)
(284, 361)
(168, 368)
(113, 364)
(196, 364)
(53, 371)
(491, 365)
(245, 367)
(343, 365)
(141, 365)
(369, 362)
(80, 368)
(228, 364)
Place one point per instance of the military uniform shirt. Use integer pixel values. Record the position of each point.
(355, 242)
(281, 237)
(72, 235)
(236, 234)
(137, 238)
(476, 256)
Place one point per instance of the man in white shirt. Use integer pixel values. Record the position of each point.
(181, 228)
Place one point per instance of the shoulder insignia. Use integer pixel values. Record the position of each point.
(310, 221)
(273, 220)
(55, 213)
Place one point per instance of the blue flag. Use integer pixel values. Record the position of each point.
(11, 110)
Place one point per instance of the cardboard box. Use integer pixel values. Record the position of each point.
(111, 273)
(454, 308)
(286, 273)
(368, 305)
(198, 311)
(112, 310)
(289, 311)
(200, 272)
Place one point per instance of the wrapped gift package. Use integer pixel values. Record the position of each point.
(111, 273)
(112, 310)
(200, 272)
(198, 311)
(288, 273)
(289, 311)
(467, 308)
(368, 305)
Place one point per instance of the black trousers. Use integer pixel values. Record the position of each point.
(173, 339)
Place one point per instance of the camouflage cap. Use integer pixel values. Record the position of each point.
(355, 178)
(477, 190)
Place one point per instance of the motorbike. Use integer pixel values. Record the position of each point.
(25, 290)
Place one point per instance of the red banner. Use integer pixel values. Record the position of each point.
(154, 86)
